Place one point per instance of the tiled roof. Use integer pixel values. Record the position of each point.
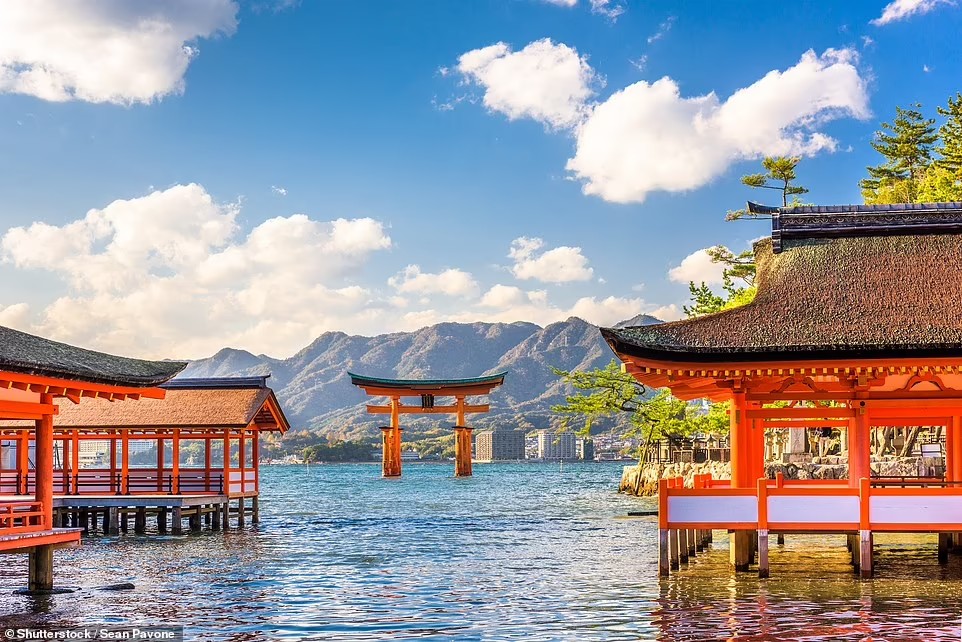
(29, 354)
(426, 384)
(845, 297)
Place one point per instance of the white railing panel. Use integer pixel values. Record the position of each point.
(813, 509)
(712, 509)
(915, 509)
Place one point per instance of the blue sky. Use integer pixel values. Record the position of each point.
(181, 176)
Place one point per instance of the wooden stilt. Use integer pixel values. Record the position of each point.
(780, 539)
(865, 553)
(692, 543)
(762, 553)
(207, 517)
(944, 541)
(225, 515)
(194, 520)
(124, 525)
(113, 524)
(462, 446)
(85, 521)
(740, 547)
(177, 521)
(675, 560)
(162, 520)
(683, 545)
(41, 569)
(663, 553)
(240, 512)
(255, 510)
(140, 521)
(215, 518)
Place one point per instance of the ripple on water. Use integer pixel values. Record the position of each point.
(518, 552)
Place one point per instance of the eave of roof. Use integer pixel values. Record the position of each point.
(427, 384)
(32, 355)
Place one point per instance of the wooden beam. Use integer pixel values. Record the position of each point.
(800, 413)
(418, 410)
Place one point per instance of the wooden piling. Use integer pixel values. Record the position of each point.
(675, 555)
(162, 521)
(113, 524)
(945, 540)
(255, 510)
(177, 521)
(240, 512)
(215, 518)
(692, 543)
(740, 549)
(225, 515)
(683, 545)
(762, 553)
(140, 521)
(865, 553)
(194, 520)
(663, 553)
(40, 569)
(780, 539)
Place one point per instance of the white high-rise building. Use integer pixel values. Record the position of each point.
(557, 445)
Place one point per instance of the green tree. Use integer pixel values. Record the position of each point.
(950, 137)
(906, 144)
(779, 175)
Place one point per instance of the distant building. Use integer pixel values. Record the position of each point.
(557, 445)
(499, 445)
(586, 449)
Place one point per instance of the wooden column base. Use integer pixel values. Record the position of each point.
(176, 521)
(762, 553)
(462, 451)
(391, 454)
(740, 549)
(255, 511)
(865, 554)
(41, 569)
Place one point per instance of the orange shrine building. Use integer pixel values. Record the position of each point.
(37, 378)
(856, 325)
(427, 390)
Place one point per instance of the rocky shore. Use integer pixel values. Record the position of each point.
(643, 480)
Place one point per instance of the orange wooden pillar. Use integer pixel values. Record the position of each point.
(124, 462)
(23, 461)
(953, 457)
(175, 463)
(757, 446)
(391, 440)
(43, 462)
(462, 451)
(740, 546)
(160, 464)
(114, 488)
(75, 461)
(859, 446)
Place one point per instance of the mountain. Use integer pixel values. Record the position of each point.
(316, 393)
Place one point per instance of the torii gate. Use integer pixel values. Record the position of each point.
(427, 390)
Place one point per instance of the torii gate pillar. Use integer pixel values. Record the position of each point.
(391, 443)
(462, 451)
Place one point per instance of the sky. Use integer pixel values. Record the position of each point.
(181, 176)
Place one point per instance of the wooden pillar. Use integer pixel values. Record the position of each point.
(242, 460)
(663, 553)
(113, 465)
(226, 471)
(944, 540)
(255, 510)
(124, 461)
(225, 515)
(240, 512)
(113, 521)
(160, 464)
(177, 521)
(207, 466)
(758, 447)
(43, 462)
(256, 460)
(194, 520)
(740, 545)
(859, 446)
(75, 460)
(23, 460)
(682, 545)
(955, 458)
(65, 465)
(175, 463)
(41, 569)
(140, 520)
(462, 450)
(215, 518)
(162, 520)
(762, 552)
(391, 440)
(675, 559)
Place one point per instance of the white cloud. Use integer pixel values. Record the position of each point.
(663, 30)
(559, 265)
(697, 267)
(562, 3)
(280, 191)
(502, 296)
(648, 137)
(113, 52)
(171, 274)
(607, 8)
(450, 282)
(902, 9)
(548, 82)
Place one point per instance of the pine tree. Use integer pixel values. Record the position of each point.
(779, 175)
(906, 144)
(951, 136)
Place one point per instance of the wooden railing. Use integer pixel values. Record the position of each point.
(20, 517)
(143, 481)
(812, 506)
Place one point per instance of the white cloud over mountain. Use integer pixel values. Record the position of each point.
(649, 137)
(557, 265)
(450, 282)
(104, 51)
(697, 267)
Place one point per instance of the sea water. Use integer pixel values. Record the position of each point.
(519, 551)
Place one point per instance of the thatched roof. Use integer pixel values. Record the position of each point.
(185, 406)
(864, 294)
(28, 354)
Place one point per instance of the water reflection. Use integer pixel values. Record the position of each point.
(517, 552)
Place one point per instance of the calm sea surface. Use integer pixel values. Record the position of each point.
(517, 552)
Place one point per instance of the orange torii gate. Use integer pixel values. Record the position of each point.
(427, 390)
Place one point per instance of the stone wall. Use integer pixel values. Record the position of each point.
(643, 480)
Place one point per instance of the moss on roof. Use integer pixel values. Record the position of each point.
(873, 296)
(29, 354)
